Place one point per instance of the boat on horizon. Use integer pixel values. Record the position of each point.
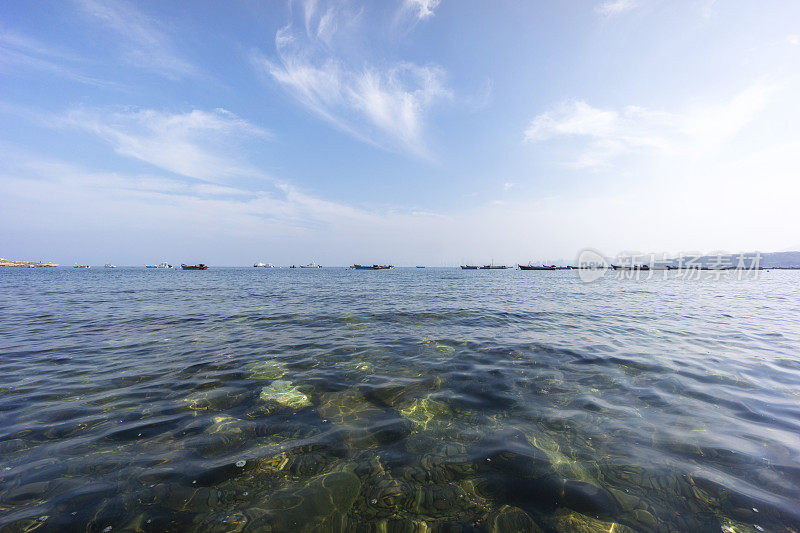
(76, 265)
(201, 266)
(263, 265)
(418, 266)
(312, 264)
(493, 267)
(372, 267)
(470, 267)
(109, 265)
(163, 264)
(536, 267)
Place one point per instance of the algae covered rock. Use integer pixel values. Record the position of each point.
(268, 369)
(285, 394)
(509, 519)
(307, 506)
(566, 521)
(427, 413)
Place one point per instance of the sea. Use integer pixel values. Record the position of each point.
(436, 399)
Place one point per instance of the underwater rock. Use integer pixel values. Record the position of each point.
(510, 519)
(562, 463)
(224, 425)
(566, 521)
(732, 526)
(587, 498)
(233, 521)
(362, 424)
(267, 370)
(348, 407)
(414, 386)
(212, 400)
(425, 412)
(284, 393)
(293, 509)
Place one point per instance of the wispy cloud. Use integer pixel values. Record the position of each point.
(197, 144)
(422, 8)
(601, 135)
(386, 105)
(22, 52)
(145, 44)
(612, 8)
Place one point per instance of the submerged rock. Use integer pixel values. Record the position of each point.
(284, 393)
(427, 413)
(362, 424)
(267, 370)
(566, 521)
(732, 526)
(510, 519)
(307, 506)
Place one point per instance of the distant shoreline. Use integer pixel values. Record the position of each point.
(8, 263)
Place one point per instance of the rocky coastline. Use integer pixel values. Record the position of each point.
(8, 263)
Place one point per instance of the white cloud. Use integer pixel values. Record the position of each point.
(150, 217)
(145, 44)
(612, 8)
(198, 144)
(386, 105)
(422, 8)
(601, 135)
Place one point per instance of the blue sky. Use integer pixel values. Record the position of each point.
(412, 131)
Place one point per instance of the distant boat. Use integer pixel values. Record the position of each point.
(292, 266)
(160, 265)
(535, 267)
(263, 265)
(201, 266)
(630, 267)
(469, 267)
(418, 266)
(493, 267)
(372, 267)
(76, 265)
(109, 265)
(312, 264)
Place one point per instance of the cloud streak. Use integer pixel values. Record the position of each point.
(422, 8)
(600, 136)
(385, 105)
(145, 45)
(21, 52)
(198, 144)
(613, 8)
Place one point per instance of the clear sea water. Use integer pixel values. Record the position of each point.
(242, 399)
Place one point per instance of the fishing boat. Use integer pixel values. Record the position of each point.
(536, 267)
(76, 265)
(160, 265)
(201, 266)
(493, 267)
(109, 265)
(418, 266)
(263, 265)
(312, 264)
(469, 267)
(631, 267)
(372, 267)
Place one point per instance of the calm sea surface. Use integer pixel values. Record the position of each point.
(403, 400)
